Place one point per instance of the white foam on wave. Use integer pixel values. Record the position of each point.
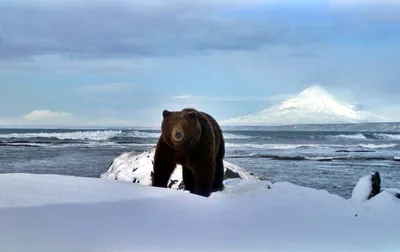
(76, 135)
(83, 135)
(320, 158)
(358, 136)
(98, 145)
(141, 134)
(271, 146)
(387, 136)
(98, 135)
(377, 146)
(235, 136)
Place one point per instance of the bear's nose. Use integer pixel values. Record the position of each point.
(178, 134)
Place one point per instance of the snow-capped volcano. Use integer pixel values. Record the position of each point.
(312, 106)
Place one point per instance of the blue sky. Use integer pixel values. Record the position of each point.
(120, 63)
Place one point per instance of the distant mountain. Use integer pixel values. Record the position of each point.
(312, 106)
(388, 127)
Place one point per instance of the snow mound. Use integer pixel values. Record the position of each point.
(314, 105)
(393, 191)
(61, 213)
(369, 186)
(137, 168)
(362, 190)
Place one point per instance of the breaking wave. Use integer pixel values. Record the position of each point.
(99, 135)
(271, 146)
(364, 136)
(387, 136)
(77, 135)
(319, 158)
(378, 146)
(140, 134)
(235, 136)
(358, 136)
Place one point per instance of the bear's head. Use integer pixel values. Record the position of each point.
(180, 129)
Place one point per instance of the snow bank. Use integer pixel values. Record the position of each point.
(137, 168)
(363, 189)
(64, 213)
(369, 186)
(60, 213)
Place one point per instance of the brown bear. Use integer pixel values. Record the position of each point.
(194, 140)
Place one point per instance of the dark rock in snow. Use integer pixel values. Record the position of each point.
(376, 184)
(229, 174)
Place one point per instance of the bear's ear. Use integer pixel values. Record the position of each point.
(192, 114)
(165, 113)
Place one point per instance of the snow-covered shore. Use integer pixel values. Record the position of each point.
(62, 213)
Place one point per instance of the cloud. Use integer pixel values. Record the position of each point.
(40, 115)
(182, 97)
(108, 87)
(84, 30)
(388, 111)
(72, 36)
(49, 118)
(364, 2)
(64, 65)
(371, 10)
(304, 55)
(273, 98)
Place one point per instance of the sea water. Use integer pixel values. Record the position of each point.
(332, 161)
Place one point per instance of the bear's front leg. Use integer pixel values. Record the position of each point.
(164, 164)
(188, 179)
(204, 174)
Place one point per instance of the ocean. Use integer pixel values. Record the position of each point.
(332, 161)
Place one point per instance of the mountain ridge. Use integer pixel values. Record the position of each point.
(381, 127)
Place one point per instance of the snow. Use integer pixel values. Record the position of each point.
(362, 190)
(65, 213)
(393, 191)
(133, 167)
(61, 213)
(314, 105)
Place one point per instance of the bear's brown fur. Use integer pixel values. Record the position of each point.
(194, 140)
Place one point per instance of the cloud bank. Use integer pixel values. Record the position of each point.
(172, 28)
(42, 115)
(108, 87)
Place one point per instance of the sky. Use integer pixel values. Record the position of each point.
(120, 62)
